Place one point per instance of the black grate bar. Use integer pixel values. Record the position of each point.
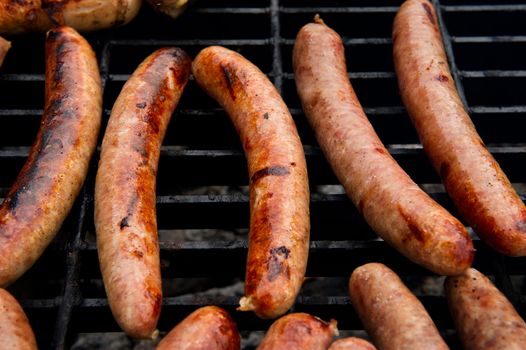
(489, 39)
(493, 74)
(277, 64)
(232, 10)
(484, 8)
(196, 42)
(344, 10)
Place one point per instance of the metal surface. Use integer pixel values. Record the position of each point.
(202, 180)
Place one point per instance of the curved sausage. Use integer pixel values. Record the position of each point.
(395, 207)
(4, 47)
(484, 318)
(472, 177)
(14, 326)
(391, 314)
(279, 193)
(173, 8)
(18, 16)
(125, 217)
(56, 168)
(207, 328)
(299, 331)
(352, 344)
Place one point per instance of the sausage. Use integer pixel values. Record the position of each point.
(471, 176)
(299, 331)
(18, 16)
(125, 217)
(173, 8)
(279, 193)
(352, 343)
(390, 313)
(207, 328)
(14, 326)
(393, 205)
(484, 318)
(4, 47)
(46, 188)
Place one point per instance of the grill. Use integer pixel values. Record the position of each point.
(203, 183)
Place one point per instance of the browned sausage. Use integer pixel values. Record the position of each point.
(125, 216)
(299, 331)
(17, 16)
(207, 328)
(484, 318)
(352, 344)
(279, 193)
(49, 182)
(391, 314)
(173, 8)
(472, 177)
(395, 207)
(14, 326)
(4, 47)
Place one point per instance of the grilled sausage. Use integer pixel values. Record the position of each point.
(352, 344)
(472, 177)
(299, 331)
(279, 193)
(14, 326)
(395, 207)
(391, 314)
(483, 316)
(18, 16)
(54, 172)
(125, 216)
(207, 328)
(173, 8)
(4, 47)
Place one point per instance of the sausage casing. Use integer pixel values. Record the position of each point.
(56, 168)
(352, 344)
(173, 8)
(207, 328)
(391, 314)
(472, 177)
(14, 326)
(395, 207)
(279, 193)
(484, 318)
(4, 47)
(299, 331)
(125, 216)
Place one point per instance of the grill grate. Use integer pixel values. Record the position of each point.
(202, 181)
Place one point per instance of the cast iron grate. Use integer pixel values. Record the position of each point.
(202, 180)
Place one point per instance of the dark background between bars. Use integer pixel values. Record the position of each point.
(202, 179)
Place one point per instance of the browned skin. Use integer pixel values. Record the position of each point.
(125, 216)
(352, 344)
(279, 193)
(299, 331)
(208, 328)
(473, 179)
(14, 325)
(4, 47)
(390, 313)
(173, 8)
(395, 207)
(18, 16)
(49, 182)
(484, 318)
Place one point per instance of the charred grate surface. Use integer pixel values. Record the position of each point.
(202, 182)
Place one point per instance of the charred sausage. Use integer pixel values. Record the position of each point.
(391, 314)
(472, 177)
(14, 326)
(173, 8)
(4, 47)
(299, 331)
(125, 217)
(352, 344)
(17, 16)
(279, 193)
(484, 318)
(56, 168)
(208, 328)
(395, 207)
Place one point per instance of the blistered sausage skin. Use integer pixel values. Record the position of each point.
(4, 47)
(207, 328)
(483, 317)
(472, 177)
(395, 207)
(125, 215)
(14, 326)
(56, 168)
(352, 344)
(299, 331)
(279, 193)
(391, 314)
(18, 16)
